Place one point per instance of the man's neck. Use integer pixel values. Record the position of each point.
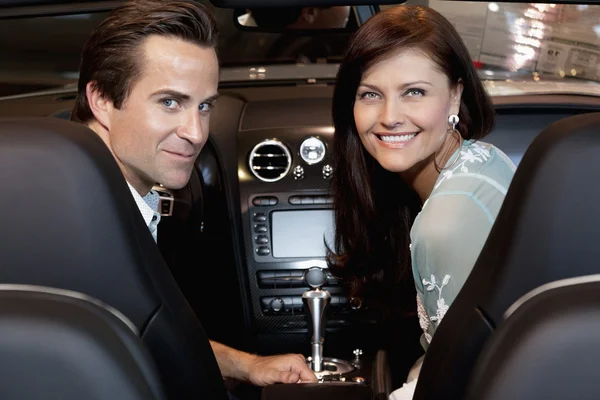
(138, 184)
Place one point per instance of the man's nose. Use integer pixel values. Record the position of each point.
(193, 128)
(391, 115)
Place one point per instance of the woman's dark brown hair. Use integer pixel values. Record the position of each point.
(374, 208)
(112, 56)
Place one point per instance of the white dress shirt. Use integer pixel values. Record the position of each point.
(148, 206)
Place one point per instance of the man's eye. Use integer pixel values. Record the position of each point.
(170, 103)
(205, 107)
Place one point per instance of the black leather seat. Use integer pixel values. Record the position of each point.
(547, 348)
(56, 344)
(547, 229)
(69, 221)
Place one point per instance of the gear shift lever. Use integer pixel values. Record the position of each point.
(317, 301)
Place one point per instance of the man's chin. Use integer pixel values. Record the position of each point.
(175, 183)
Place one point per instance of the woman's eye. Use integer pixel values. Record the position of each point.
(415, 92)
(369, 95)
(170, 103)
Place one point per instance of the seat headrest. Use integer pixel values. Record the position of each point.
(549, 224)
(65, 345)
(547, 348)
(68, 218)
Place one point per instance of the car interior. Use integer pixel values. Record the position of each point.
(57, 337)
(241, 248)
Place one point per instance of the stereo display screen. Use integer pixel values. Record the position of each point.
(301, 233)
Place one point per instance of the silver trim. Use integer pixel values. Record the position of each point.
(548, 286)
(72, 294)
(317, 160)
(164, 194)
(267, 142)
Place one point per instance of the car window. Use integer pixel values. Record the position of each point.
(562, 40)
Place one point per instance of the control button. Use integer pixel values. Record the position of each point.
(260, 217)
(320, 200)
(298, 172)
(282, 274)
(331, 280)
(307, 200)
(297, 303)
(262, 201)
(261, 239)
(260, 228)
(287, 302)
(298, 273)
(277, 304)
(329, 200)
(327, 171)
(266, 279)
(263, 251)
(265, 275)
(295, 200)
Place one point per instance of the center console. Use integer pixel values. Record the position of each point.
(284, 177)
(297, 304)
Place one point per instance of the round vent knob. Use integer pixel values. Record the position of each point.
(270, 160)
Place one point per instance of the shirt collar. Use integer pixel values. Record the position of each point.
(148, 205)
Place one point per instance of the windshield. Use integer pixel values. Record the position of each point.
(504, 39)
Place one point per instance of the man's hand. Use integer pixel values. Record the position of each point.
(287, 368)
(259, 370)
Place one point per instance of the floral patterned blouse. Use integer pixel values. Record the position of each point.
(453, 225)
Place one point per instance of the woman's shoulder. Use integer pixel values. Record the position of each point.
(493, 153)
(474, 162)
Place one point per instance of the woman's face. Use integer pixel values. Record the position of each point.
(401, 110)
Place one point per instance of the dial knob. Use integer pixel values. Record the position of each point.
(298, 172)
(327, 171)
(315, 277)
(277, 304)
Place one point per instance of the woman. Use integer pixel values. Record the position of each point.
(415, 191)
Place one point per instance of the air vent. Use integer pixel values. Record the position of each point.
(270, 160)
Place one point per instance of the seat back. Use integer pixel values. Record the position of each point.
(547, 348)
(64, 345)
(547, 230)
(69, 221)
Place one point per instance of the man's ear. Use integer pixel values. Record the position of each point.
(309, 14)
(100, 106)
(456, 96)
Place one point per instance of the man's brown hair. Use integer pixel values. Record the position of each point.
(112, 57)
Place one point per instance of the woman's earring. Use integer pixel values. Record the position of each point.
(453, 120)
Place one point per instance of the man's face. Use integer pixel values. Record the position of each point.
(333, 17)
(163, 124)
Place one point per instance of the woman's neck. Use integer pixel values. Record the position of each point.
(422, 177)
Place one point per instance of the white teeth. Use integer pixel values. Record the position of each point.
(397, 138)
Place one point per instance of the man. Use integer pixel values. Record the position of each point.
(148, 81)
(334, 17)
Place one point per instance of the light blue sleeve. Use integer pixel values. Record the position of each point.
(446, 240)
